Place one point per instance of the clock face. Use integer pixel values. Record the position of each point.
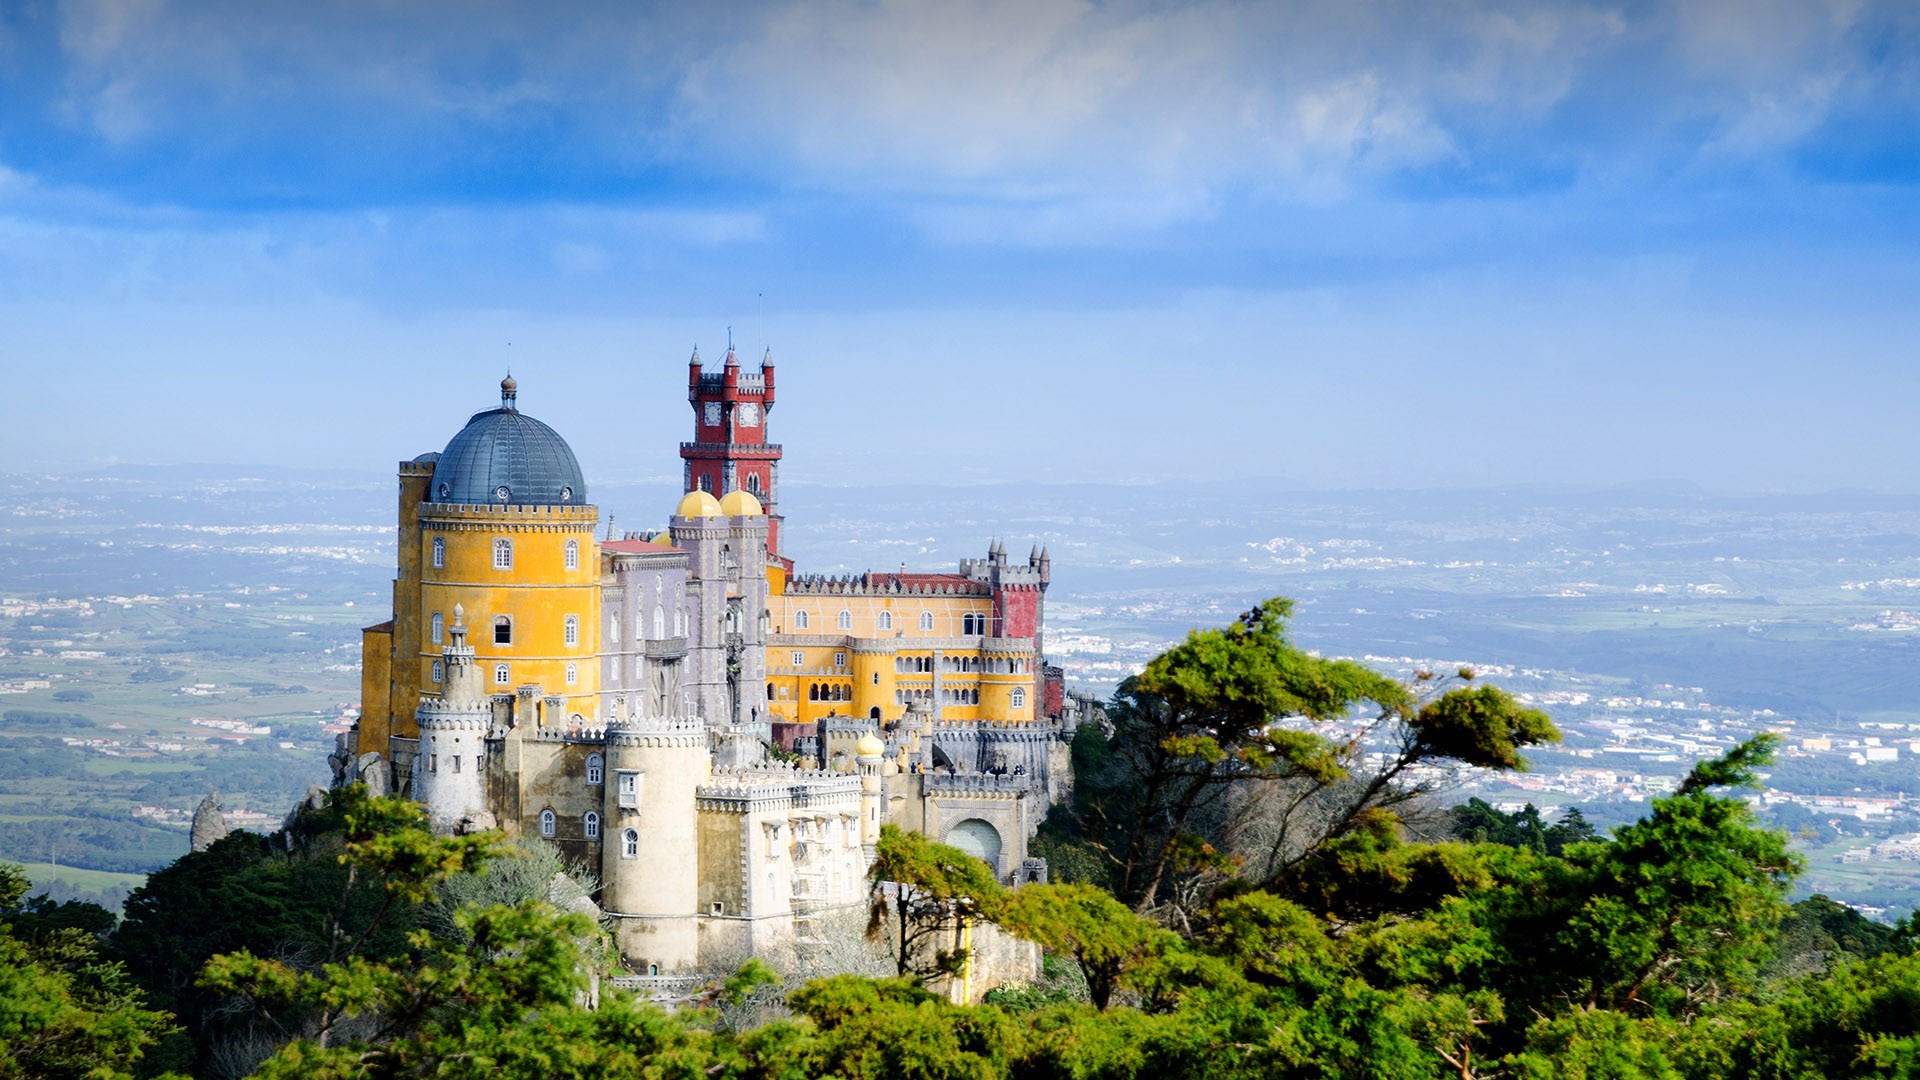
(747, 414)
(713, 414)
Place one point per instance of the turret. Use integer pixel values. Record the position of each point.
(448, 775)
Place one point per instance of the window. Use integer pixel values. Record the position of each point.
(502, 630)
(613, 630)
(629, 791)
(679, 623)
(659, 621)
(886, 620)
(799, 660)
(436, 672)
(596, 768)
(547, 821)
(1019, 697)
(590, 825)
(573, 554)
(799, 620)
(456, 763)
(630, 844)
(971, 624)
(753, 483)
(503, 554)
(839, 659)
(439, 553)
(573, 631)
(438, 632)
(500, 676)
(926, 621)
(573, 674)
(845, 620)
(433, 762)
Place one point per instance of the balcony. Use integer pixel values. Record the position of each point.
(673, 648)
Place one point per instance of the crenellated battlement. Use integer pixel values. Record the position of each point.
(977, 785)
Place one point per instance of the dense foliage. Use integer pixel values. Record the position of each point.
(1261, 909)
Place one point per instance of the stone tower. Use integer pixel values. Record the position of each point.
(650, 862)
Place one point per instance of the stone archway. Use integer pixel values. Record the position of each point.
(977, 838)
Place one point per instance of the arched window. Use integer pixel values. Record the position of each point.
(800, 620)
(439, 628)
(679, 622)
(437, 670)
(573, 554)
(630, 844)
(926, 621)
(590, 825)
(613, 630)
(573, 631)
(659, 621)
(873, 713)
(885, 620)
(573, 674)
(845, 620)
(547, 821)
(813, 691)
(502, 630)
(503, 554)
(753, 483)
(596, 768)
(439, 553)
(1019, 697)
(500, 676)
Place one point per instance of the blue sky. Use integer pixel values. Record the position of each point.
(1347, 244)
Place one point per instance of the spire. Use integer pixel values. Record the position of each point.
(509, 391)
(695, 362)
(766, 359)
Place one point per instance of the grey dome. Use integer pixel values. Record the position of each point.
(505, 457)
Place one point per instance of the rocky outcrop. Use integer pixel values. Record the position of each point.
(209, 824)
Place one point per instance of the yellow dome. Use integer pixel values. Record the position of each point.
(870, 746)
(698, 504)
(740, 503)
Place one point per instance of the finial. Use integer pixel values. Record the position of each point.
(459, 614)
(509, 391)
(767, 359)
(695, 361)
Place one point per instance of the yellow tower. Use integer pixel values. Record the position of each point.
(501, 529)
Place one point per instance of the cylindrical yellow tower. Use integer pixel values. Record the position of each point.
(505, 533)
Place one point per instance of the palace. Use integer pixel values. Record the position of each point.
(717, 737)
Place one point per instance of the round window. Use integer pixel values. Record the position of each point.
(501, 493)
(566, 494)
(445, 489)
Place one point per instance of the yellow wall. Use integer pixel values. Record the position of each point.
(536, 593)
(870, 674)
(376, 688)
(823, 613)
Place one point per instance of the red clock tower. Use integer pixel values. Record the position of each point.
(730, 448)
